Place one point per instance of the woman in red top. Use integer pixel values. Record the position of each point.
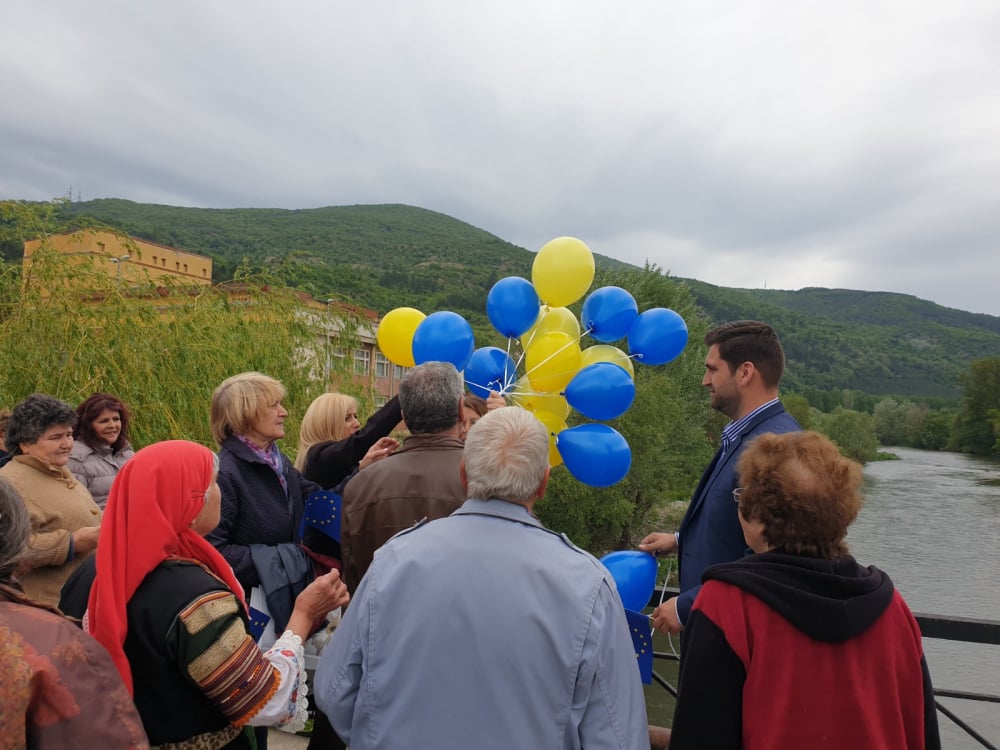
(798, 646)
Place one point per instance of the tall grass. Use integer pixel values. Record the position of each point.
(67, 328)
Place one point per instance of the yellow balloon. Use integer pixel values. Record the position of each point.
(607, 353)
(553, 425)
(395, 335)
(563, 271)
(551, 361)
(552, 319)
(528, 398)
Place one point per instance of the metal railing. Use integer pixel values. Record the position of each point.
(964, 629)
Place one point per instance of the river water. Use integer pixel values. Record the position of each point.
(932, 522)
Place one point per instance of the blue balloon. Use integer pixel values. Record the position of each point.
(658, 336)
(512, 306)
(608, 313)
(635, 575)
(490, 369)
(595, 454)
(443, 337)
(602, 390)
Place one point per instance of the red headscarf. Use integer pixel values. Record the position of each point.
(147, 520)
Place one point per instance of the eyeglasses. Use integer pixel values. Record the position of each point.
(737, 494)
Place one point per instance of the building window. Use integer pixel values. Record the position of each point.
(177, 264)
(381, 365)
(204, 272)
(185, 268)
(381, 401)
(154, 260)
(397, 372)
(362, 361)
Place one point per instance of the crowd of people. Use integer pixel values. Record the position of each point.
(167, 596)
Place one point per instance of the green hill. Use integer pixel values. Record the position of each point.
(393, 255)
(876, 342)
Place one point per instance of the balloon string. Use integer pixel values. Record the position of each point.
(663, 591)
(542, 312)
(516, 364)
(508, 381)
(558, 351)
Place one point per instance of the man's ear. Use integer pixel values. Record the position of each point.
(462, 475)
(745, 372)
(545, 483)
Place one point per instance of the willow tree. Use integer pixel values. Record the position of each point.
(69, 329)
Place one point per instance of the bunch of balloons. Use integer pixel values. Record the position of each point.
(559, 374)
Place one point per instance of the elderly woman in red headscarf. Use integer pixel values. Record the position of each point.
(171, 613)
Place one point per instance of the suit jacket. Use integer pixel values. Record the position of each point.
(710, 532)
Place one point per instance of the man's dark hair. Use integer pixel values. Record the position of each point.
(750, 341)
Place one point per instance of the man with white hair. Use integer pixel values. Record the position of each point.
(485, 629)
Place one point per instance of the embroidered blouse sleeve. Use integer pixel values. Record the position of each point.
(247, 685)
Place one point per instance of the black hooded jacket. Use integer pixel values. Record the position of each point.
(829, 600)
(784, 651)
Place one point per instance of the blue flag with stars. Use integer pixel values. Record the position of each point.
(642, 640)
(322, 512)
(258, 622)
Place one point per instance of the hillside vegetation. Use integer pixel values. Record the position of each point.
(879, 343)
(837, 340)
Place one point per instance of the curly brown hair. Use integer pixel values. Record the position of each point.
(803, 490)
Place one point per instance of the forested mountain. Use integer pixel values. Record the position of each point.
(393, 255)
(876, 342)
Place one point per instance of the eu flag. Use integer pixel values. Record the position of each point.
(322, 512)
(642, 640)
(258, 621)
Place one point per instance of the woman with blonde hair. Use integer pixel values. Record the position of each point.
(263, 494)
(333, 444)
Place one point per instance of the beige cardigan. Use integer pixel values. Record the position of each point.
(57, 505)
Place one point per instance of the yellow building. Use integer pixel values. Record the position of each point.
(129, 260)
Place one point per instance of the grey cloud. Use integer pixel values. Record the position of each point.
(851, 145)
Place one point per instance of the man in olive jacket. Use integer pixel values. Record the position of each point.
(420, 480)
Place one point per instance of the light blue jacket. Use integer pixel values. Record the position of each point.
(484, 630)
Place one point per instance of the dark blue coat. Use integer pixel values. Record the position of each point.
(255, 509)
(710, 532)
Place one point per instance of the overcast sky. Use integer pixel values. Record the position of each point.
(791, 143)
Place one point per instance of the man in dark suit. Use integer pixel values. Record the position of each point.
(743, 368)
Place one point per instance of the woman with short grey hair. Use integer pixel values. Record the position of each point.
(64, 518)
